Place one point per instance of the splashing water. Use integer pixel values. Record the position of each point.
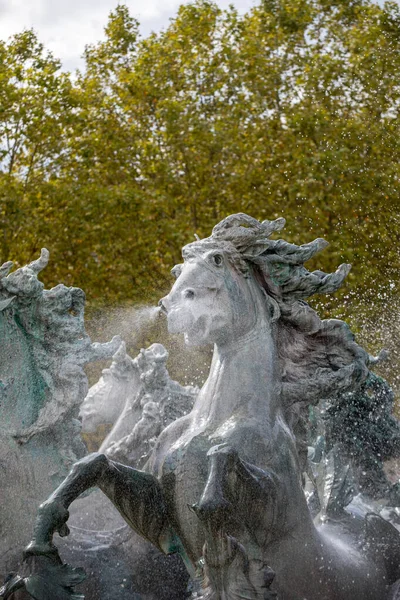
(140, 326)
(131, 323)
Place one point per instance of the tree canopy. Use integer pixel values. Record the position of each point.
(288, 110)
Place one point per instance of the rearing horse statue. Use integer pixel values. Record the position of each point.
(223, 486)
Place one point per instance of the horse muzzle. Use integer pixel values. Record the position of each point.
(162, 307)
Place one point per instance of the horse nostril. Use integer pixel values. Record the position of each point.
(188, 294)
(162, 306)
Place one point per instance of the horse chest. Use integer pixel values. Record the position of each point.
(186, 460)
(184, 475)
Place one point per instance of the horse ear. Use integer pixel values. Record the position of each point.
(177, 270)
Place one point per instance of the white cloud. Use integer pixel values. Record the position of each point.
(66, 27)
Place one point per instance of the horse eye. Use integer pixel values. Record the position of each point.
(218, 260)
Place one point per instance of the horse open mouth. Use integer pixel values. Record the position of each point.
(197, 332)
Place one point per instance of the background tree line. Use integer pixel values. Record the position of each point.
(291, 109)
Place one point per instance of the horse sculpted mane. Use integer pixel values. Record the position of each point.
(318, 358)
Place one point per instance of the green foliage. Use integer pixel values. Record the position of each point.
(290, 109)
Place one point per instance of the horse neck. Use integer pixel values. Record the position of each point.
(242, 379)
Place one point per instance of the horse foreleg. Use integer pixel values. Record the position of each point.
(214, 505)
(223, 507)
(136, 495)
(239, 490)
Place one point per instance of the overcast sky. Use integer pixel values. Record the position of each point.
(66, 26)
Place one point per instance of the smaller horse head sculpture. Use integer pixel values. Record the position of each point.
(106, 398)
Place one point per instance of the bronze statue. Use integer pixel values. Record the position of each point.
(223, 485)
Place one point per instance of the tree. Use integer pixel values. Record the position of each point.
(36, 103)
(290, 109)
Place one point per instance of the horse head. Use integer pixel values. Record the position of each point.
(106, 398)
(239, 280)
(216, 298)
